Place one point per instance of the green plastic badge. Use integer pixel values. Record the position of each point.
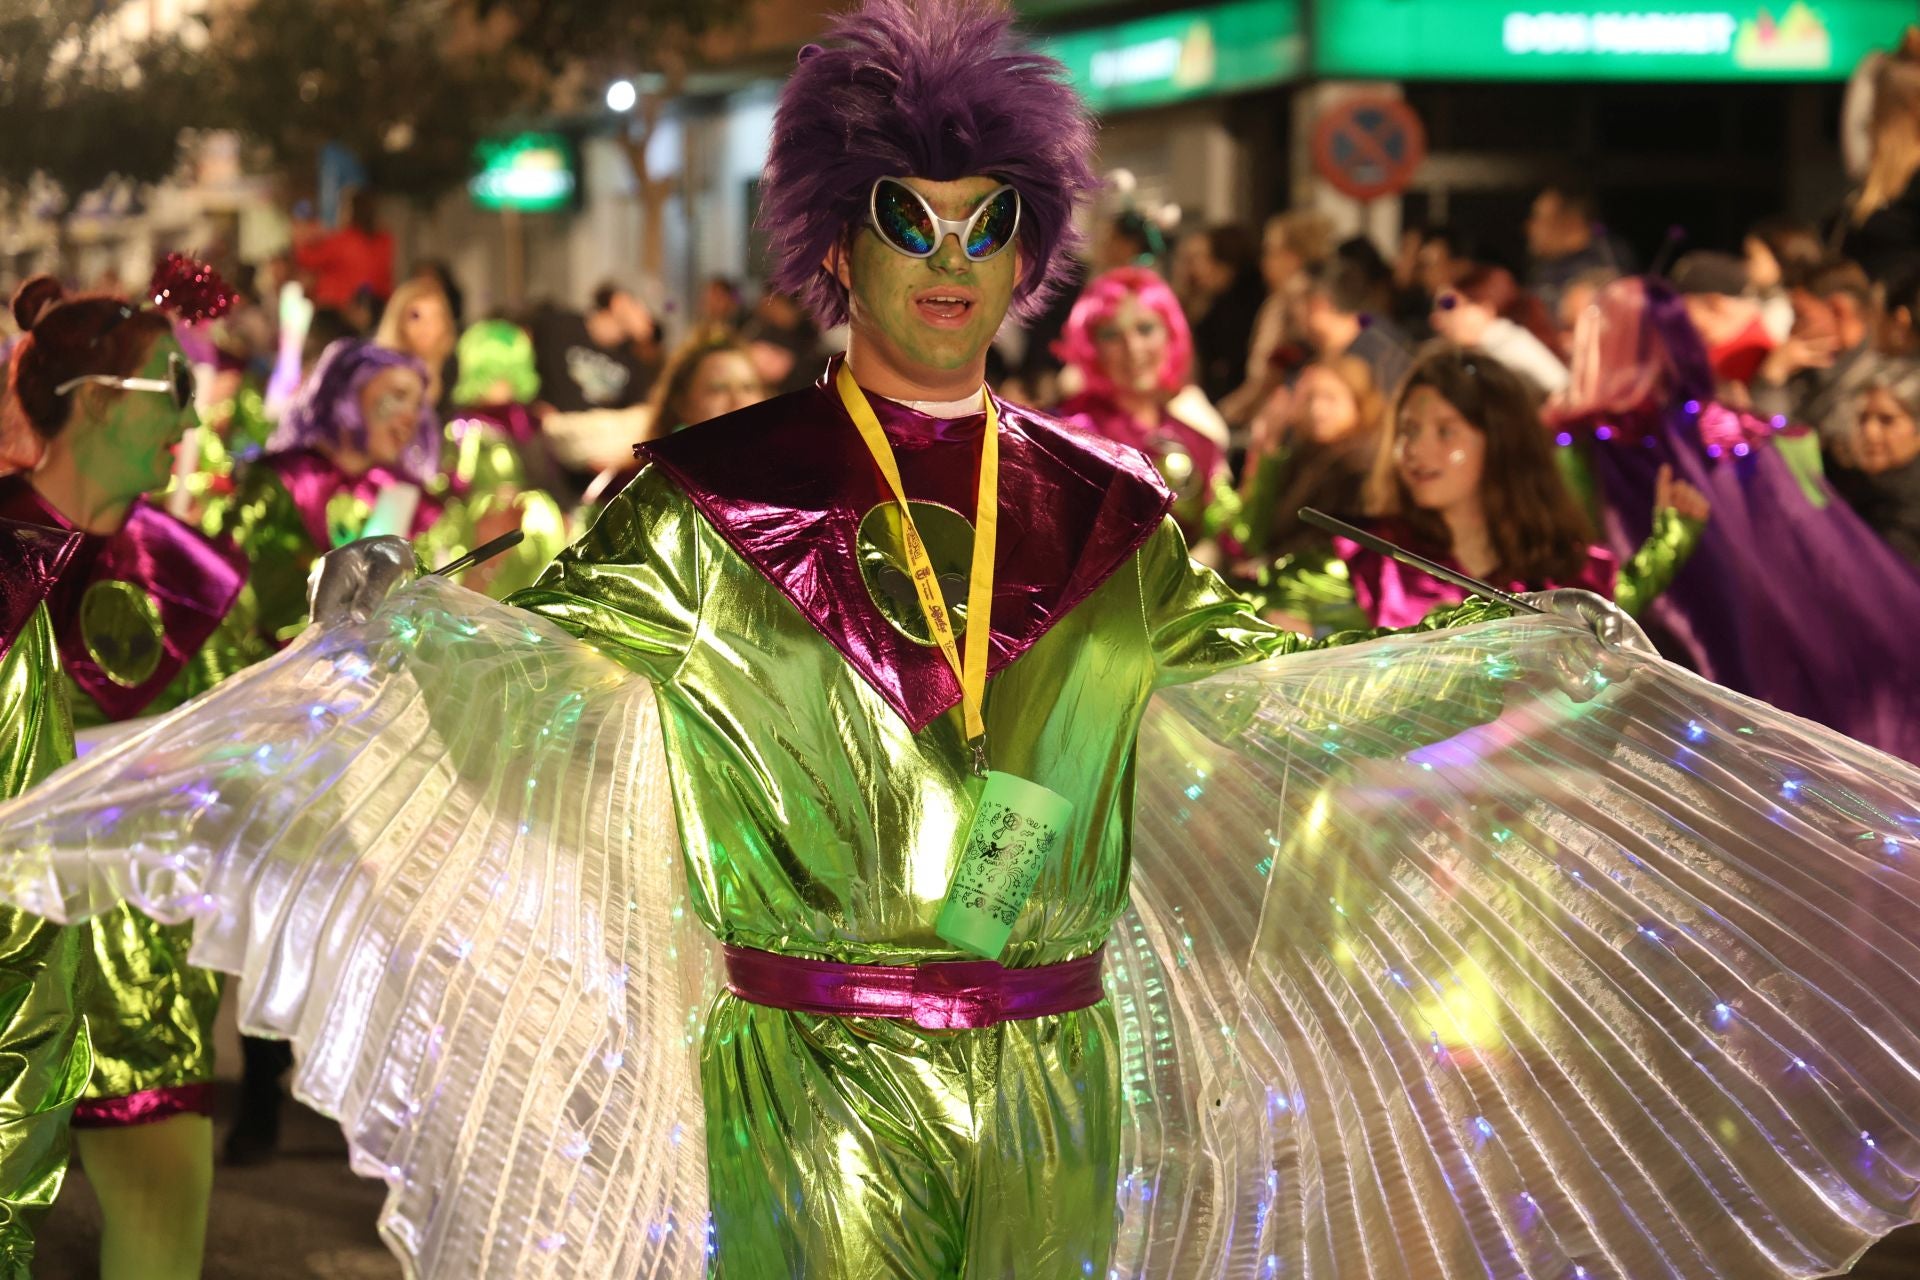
(1015, 828)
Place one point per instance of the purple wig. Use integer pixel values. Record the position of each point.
(941, 89)
(327, 410)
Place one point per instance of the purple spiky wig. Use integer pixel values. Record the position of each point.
(938, 89)
(327, 410)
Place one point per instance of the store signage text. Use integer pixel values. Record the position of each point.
(1688, 34)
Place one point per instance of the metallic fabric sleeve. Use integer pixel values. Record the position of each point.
(1652, 567)
(1312, 585)
(1199, 626)
(631, 587)
(43, 1042)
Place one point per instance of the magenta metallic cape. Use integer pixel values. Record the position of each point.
(32, 558)
(1394, 595)
(192, 581)
(942, 996)
(312, 481)
(787, 483)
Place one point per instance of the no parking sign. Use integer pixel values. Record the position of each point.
(1369, 147)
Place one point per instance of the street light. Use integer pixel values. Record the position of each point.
(621, 95)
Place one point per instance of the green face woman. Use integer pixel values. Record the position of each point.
(124, 439)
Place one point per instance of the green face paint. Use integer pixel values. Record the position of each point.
(929, 318)
(128, 449)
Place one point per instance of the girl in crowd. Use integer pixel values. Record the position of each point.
(1790, 598)
(361, 439)
(497, 475)
(708, 376)
(418, 322)
(1466, 478)
(143, 609)
(1876, 465)
(1130, 345)
(1312, 448)
(1485, 310)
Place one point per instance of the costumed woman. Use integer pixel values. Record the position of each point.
(1465, 477)
(358, 448)
(1129, 343)
(144, 611)
(450, 856)
(1789, 597)
(496, 475)
(1312, 446)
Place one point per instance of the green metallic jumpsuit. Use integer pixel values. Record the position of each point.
(817, 823)
(45, 1061)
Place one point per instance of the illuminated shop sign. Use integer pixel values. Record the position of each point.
(1192, 53)
(532, 172)
(1500, 39)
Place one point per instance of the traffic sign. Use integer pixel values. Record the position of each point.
(1369, 147)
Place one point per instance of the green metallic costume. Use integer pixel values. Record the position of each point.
(44, 1056)
(1315, 585)
(817, 823)
(149, 1014)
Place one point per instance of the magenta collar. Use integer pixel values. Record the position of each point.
(787, 483)
(190, 579)
(32, 558)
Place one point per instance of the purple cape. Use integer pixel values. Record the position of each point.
(1799, 605)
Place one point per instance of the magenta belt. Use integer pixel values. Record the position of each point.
(943, 995)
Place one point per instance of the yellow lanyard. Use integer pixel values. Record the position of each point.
(972, 673)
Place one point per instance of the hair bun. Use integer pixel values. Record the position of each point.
(35, 298)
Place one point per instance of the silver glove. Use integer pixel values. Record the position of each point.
(348, 583)
(1611, 624)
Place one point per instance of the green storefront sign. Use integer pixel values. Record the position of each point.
(1566, 39)
(1194, 53)
(532, 172)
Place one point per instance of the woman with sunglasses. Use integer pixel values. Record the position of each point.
(144, 610)
(1466, 478)
(1129, 343)
(358, 452)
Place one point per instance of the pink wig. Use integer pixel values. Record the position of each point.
(1096, 306)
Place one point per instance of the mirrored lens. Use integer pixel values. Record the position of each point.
(901, 219)
(181, 374)
(993, 226)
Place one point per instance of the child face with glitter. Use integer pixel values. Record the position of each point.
(925, 323)
(390, 406)
(1438, 454)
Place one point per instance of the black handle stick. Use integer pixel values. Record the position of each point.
(485, 551)
(1485, 590)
